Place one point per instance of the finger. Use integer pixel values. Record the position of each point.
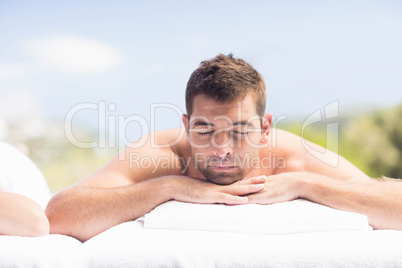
(253, 180)
(268, 197)
(254, 199)
(237, 189)
(259, 199)
(231, 199)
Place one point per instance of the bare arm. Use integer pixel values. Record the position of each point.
(84, 212)
(121, 192)
(379, 200)
(343, 187)
(21, 216)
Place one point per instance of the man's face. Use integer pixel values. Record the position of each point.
(224, 138)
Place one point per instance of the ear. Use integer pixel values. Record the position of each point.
(185, 118)
(266, 127)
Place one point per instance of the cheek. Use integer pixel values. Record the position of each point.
(248, 150)
(250, 143)
(200, 152)
(254, 141)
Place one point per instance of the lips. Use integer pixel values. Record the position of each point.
(223, 166)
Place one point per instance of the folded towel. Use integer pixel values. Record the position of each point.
(296, 216)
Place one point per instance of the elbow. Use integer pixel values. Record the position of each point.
(69, 226)
(58, 225)
(57, 221)
(64, 223)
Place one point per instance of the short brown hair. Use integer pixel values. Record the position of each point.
(224, 79)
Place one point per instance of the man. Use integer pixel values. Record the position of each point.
(226, 156)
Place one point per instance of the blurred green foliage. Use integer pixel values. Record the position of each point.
(63, 164)
(71, 165)
(372, 141)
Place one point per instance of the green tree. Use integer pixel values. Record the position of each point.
(374, 142)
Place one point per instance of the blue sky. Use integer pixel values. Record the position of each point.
(56, 55)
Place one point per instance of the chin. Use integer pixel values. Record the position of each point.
(223, 179)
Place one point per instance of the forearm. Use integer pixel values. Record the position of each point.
(84, 212)
(21, 216)
(379, 200)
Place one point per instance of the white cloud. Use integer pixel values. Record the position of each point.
(12, 70)
(74, 55)
(17, 71)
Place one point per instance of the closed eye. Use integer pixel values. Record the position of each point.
(204, 133)
(240, 132)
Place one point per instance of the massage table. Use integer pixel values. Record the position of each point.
(175, 234)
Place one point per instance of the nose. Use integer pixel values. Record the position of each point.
(222, 144)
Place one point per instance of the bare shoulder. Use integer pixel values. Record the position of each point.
(305, 156)
(173, 139)
(283, 151)
(284, 143)
(153, 155)
(289, 144)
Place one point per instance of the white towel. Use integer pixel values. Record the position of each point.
(45, 251)
(129, 245)
(296, 216)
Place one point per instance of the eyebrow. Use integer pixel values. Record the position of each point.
(203, 123)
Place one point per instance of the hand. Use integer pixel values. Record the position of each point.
(201, 191)
(278, 188)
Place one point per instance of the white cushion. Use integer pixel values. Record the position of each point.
(18, 174)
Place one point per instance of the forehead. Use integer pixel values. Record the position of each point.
(241, 109)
